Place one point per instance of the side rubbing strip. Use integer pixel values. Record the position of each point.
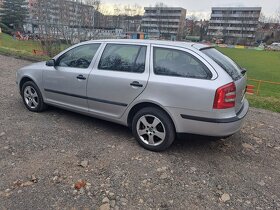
(85, 97)
(107, 102)
(67, 94)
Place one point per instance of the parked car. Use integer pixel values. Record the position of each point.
(157, 88)
(274, 46)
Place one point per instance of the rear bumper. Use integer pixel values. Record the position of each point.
(210, 126)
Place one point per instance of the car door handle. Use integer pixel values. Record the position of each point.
(136, 84)
(81, 77)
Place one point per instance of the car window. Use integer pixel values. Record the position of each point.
(225, 62)
(78, 57)
(120, 57)
(174, 62)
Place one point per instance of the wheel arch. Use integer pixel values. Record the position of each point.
(24, 80)
(142, 105)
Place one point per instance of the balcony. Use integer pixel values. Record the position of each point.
(232, 35)
(232, 28)
(161, 20)
(162, 15)
(159, 25)
(234, 21)
(236, 15)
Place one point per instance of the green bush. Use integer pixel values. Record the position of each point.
(6, 29)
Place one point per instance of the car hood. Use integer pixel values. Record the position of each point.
(35, 65)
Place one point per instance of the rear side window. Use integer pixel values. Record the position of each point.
(78, 57)
(120, 57)
(225, 62)
(171, 62)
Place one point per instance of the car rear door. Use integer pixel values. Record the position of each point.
(65, 83)
(118, 78)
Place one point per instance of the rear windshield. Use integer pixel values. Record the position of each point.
(225, 62)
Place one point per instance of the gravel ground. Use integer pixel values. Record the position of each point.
(44, 156)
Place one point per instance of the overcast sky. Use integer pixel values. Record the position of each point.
(203, 7)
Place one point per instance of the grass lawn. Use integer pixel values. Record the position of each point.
(261, 65)
(20, 48)
(8, 42)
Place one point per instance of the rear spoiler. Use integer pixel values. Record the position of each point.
(205, 48)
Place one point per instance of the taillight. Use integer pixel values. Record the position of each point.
(225, 97)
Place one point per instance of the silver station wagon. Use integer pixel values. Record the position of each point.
(157, 88)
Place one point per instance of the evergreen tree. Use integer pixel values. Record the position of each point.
(14, 13)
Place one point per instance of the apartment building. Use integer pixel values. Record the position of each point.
(235, 25)
(164, 22)
(64, 13)
(125, 22)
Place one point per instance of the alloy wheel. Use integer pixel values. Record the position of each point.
(31, 97)
(151, 130)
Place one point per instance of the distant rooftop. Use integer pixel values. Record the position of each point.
(237, 8)
(164, 8)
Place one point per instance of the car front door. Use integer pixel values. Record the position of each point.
(65, 83)
(118, 78)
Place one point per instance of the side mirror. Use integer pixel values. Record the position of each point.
(50, 62)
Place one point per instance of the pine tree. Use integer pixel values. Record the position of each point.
(14, 13)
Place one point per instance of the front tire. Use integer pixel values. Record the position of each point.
(32, 97)
(153, 129)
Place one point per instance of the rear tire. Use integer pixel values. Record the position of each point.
(32, 97)
(153, 129)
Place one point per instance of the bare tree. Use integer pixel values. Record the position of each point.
(278, 15)
(94, 3)
(190, 27)
(263, 18)
(106, 15)
(138, 10)
(97, 15)
(47, 30)
(193, 17)
(117, 14)
(76, 21)
(57, 20)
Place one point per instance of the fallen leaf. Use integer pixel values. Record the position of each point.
(80, 184)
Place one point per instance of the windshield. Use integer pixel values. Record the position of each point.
(225, 62)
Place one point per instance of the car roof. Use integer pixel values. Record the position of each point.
(159, 42)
